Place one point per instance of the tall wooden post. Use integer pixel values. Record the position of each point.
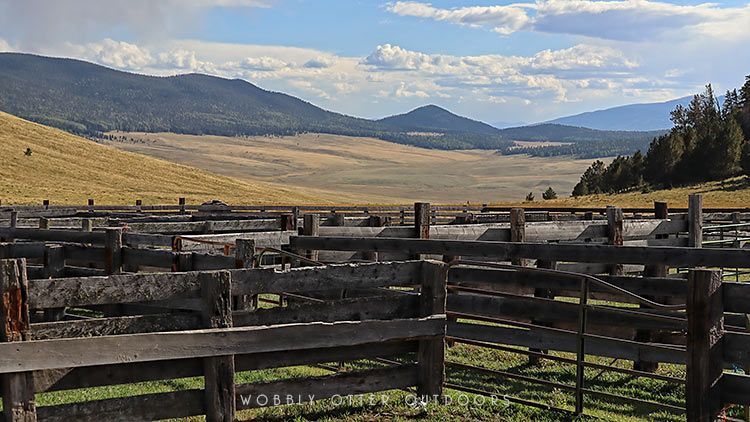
(421, 222)
(44, 223)
(615, 233)
(705, 363)
(13, 225)
(661, 212)
(518, 232)
(544, 294)
(91, 205)
(218, 372)
(19, 404)
(311, 227)
(54, 267)
(113, 251)
(695, 220)
(244, 255)
(87, 225)
(431, 353)
(295, 218)
(181, 203)
(138, 205)
(45, 204)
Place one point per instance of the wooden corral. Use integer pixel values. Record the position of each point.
(185, 280)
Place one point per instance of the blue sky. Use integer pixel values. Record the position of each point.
(498, 61)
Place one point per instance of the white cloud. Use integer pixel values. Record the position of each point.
(320, 62)
(502, 19)
(118, 54)
(5, 46)
(264, 63)
(626, 20)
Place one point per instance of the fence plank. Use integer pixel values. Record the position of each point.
(652, 255)
(66, 353)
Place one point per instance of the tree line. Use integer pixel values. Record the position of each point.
(709, 141)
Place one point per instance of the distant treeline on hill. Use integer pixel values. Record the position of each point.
(709, 141)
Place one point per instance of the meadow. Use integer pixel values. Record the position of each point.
(373, 170)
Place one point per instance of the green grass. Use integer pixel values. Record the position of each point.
(399, 407)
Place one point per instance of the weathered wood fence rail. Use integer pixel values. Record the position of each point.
(216, 342)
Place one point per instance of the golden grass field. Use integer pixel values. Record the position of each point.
(68, 169)
(305, 169)
(374, 170)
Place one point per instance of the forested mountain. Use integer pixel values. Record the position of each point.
(632, 117)
(709, 140)
(89, 99)
(433, 118)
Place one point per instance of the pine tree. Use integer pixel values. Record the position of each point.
(549, 194)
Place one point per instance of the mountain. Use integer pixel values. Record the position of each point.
(68, 169)
(431, 118)
(89, 99)
(633, 117)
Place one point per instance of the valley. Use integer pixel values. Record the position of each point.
(373, 170)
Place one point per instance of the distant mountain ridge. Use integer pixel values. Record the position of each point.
(89, 99)
(431, 117)
(632, 117)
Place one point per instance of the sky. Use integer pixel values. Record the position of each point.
(496, 61)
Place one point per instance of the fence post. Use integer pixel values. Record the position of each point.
(19, 404)
(705, 363)
(54, 267)
(615, 234)
(431, 353)
(402, 217)
(138, 205)
(91, 205)
(244, 255)
(218, 372)
(86, 225)
(544, 294)
(295, 218)
(113, 251)
(695, 220)
(661, 212)
(518, 232)
(44, 223)
(421, 222)
(181, 202)
(311, 227)
(13, 225)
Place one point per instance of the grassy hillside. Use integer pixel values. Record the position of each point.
(730, 193)
(68, 169)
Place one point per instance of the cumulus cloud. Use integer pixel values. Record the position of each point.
(625, 20)
(118, 54)
(502, 19)
(320, 62)
(264, 63)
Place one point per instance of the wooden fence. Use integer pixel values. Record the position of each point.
(217, 342)
(523, 301)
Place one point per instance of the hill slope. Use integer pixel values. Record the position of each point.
(633, 117)
(87, 98)
(67, 169)
(436, 119)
